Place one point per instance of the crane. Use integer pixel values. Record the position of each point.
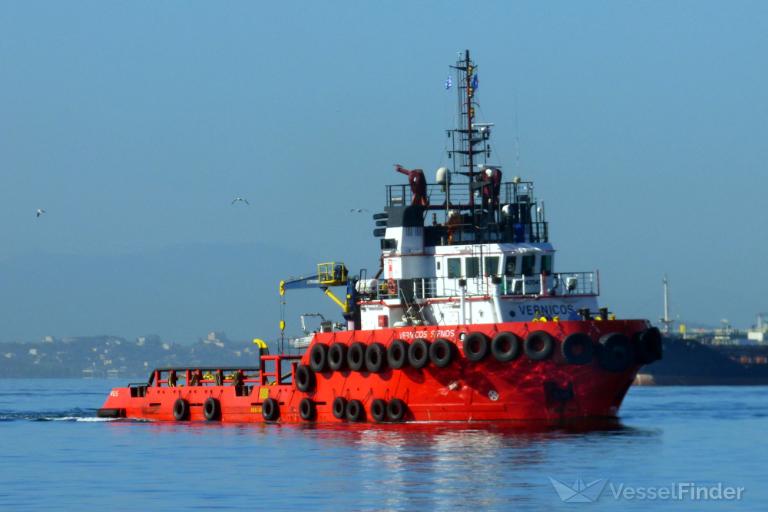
(328, 275)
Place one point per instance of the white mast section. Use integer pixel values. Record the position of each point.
(666, 320)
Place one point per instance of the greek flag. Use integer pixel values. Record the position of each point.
(448, 83)
(474, 82)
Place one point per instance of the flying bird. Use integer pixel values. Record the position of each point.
(358, 210)
(239, 199)
(39, 212)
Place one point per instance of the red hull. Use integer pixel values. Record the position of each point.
(464, 391)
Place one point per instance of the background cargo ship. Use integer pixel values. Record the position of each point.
(722, 356)
(719, 357)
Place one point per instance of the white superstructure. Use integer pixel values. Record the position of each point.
(469, 283)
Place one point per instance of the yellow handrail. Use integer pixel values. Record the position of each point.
(331, 274)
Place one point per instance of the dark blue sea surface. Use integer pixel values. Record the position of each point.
(56, 455)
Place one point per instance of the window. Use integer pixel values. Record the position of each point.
(546, 263)
(473, 267)
(509, 266)
(529, 260)
(491, 265)
(414, 231)
(454, 267)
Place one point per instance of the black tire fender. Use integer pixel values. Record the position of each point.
(270, 409)
(355, 411)
(475, 346)
(305, 378)
(181, 410)
(616, 353)
(211, 409)
(356, 356)
(418, 353)
(379, 410)
(539, 345)
(506, 346)
(396, 410)
(307, 409)
(339, 408)
(441, 352)
(649, 346)
(375, 357)
(318, 357)
(577, 348)
(397, 354)
(337, 356)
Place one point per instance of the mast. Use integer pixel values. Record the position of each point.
(469, 114)
(469, 140)
(666, 321)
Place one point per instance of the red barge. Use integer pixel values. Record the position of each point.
(466, 319)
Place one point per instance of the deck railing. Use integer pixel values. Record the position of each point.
(561, 284)
(509, 192)
(277, 369)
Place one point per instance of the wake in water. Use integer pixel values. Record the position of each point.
(84, 415)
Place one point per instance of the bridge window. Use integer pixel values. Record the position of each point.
(414, 231)
(510, 265)
(491, 265)
(546, 263)
(473, 267)
(454, 267)
(529, 261)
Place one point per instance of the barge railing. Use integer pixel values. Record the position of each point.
(272, 369)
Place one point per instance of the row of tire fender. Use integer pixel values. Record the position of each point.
(351, 410)
(343, 409)
(380, 410)
(615, 352)
(375, 357)
(211, 409)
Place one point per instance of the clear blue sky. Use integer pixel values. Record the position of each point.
(134, 124)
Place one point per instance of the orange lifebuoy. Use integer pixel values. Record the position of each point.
(391, 286)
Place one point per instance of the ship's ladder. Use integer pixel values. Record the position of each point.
(481, 282)
(410, 307)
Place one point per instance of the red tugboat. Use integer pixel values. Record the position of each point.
(465, 321)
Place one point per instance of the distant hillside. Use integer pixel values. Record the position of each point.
(112, 356)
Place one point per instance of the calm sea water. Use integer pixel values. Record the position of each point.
(55, 455)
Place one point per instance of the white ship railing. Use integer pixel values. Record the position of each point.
(561, 284)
